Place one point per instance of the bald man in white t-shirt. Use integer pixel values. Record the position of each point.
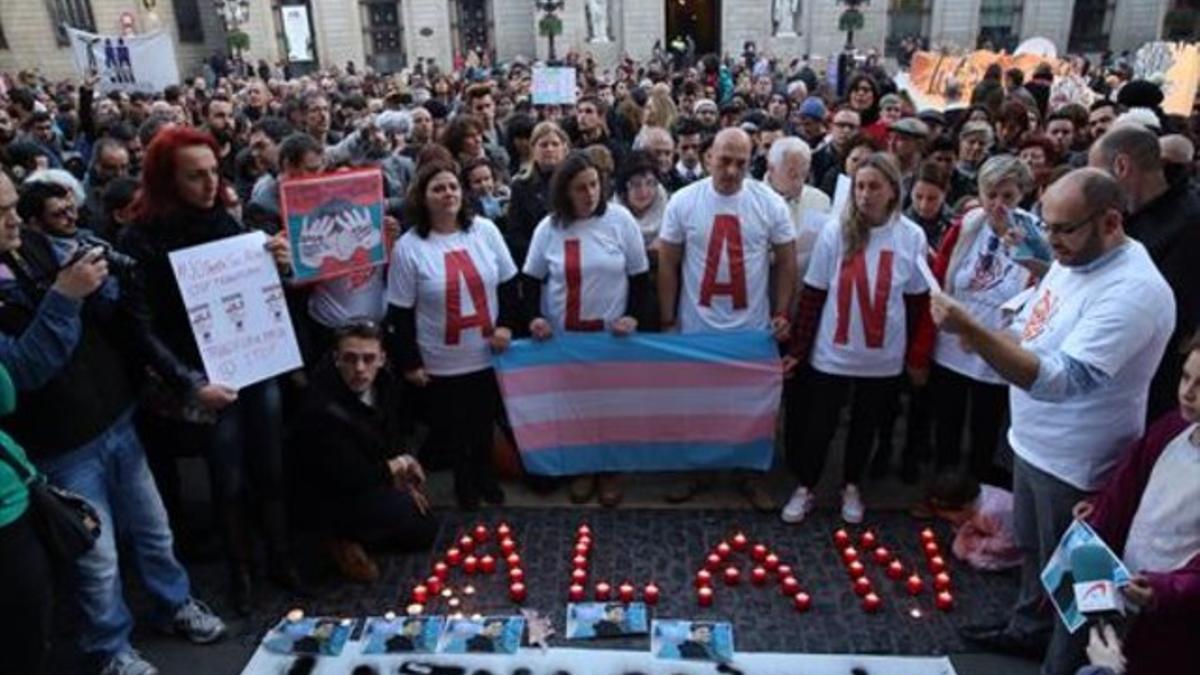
(1079, 360)
(727, 262)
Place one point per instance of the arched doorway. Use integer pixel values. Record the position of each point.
(701, 19)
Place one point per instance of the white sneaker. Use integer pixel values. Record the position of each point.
(128, 663)
(196, 622)
(852, 506)
(798, 506)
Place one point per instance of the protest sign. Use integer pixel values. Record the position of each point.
(235, 304)
(553, 85)
(587, 403)
(1059, 579)
(1175, 67)
(927, 77)
(335, 222)
(125, 62)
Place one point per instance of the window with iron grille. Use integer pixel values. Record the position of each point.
(187, 18)
(73, 13)
(1091, 25)
(1000, 23)
(907, 19)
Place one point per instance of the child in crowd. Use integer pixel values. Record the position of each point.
(982, 516)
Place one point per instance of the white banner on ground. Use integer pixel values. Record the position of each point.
(126, 62)
(235, 304)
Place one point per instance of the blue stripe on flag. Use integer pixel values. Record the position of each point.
(580, 459)
(661, 347)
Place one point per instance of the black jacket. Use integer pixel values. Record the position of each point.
(154, 295)
(342, 445)
(526, 208)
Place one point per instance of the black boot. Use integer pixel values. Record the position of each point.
(280, 566)
(241, 590)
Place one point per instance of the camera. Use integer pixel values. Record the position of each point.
(116, 259)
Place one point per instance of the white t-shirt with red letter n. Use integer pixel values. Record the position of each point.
(862, 330)
(727, 242)
(451, 280)
(586, 266)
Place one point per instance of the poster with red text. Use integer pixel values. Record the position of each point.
(335, 223)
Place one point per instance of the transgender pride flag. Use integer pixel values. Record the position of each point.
(591, 402)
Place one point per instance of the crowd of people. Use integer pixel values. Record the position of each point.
(1004, 273)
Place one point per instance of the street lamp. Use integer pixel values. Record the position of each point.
(234, 13)
(550, 25)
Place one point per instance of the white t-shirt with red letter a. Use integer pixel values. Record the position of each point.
(586, 266)
(862, 331)
(451, 279)
(727, 242)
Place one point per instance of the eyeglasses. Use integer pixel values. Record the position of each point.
(1068, 229)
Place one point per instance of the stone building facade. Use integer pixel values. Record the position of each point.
(389, 34)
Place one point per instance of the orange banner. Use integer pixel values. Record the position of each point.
(930, 70)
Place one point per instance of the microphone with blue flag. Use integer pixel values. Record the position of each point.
(1096, 592)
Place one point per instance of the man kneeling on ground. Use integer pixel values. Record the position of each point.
(359, 486)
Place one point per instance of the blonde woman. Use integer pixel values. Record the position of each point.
(531, 187)
(660, 108)
(867, 265)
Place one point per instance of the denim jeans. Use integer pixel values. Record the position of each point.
(111, 473)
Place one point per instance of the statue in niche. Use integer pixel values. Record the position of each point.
(783, 16)
(597, 16)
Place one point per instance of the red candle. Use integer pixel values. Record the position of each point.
(603, 591)
(732, 576)
(724, 549)
(944, 601)
(576, 593)
(927, 536)
(895, 570)
(481, 533)
(841, 538)
(802, 602)
(784, 571)
(931, 549)
(453, 557)
(584, 541)
(856, 569)
(758, 553)
(487, 564)
(503, 530)
(789, 586)
(941, 582)
(712, 562)
(625, 592)
(516, 592)
(705, 597)
(513, 560)
(441, 570)
(579, 562)
(758, 576)
(882, 556)
(871, 603)
(867, 540)
(583, 531)
(740, 542)
(703, 579)
(862, 586)
(771, 562)
(849, 555)
(937, 564)
(434, 585)
(650, 594)
(582, 549)
(466, 543)
(578, 576)
(915, 585)
(420, 594)
(507, 546)
(470, 564)
(516, 574)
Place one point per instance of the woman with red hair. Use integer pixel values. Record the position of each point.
(183, 202)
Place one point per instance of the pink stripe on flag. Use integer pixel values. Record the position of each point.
(669, 375)
(649, 430)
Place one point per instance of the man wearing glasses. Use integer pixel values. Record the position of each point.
(830, 155)
(360, 487)
(1079, 358)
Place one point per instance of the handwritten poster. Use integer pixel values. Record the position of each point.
(553, 86)
(235, 303)
(335, 222)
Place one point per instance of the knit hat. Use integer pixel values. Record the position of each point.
(813, 108)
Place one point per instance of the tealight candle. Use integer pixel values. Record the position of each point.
(771, 562)
(789, 586)
(480, 534)
(650, 594)
(871, 603)
(470, 564)
(740, 542)
(705, 597)
(941, 582)
(915, 585)
(801, 602)
(732, 576)
(758, 553)
(862, 586)
(453, 557)
(856, 569)
(895, 570)
(420, 595)
(516, 592)
(937, 564)
(841, 538)
(758, 576)
(487, 564)
(867, 540)
(625, 592)
(516, 574)
(576, 593)
(703, 579)
(944, 601)
(603, 591)
(882, 556)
